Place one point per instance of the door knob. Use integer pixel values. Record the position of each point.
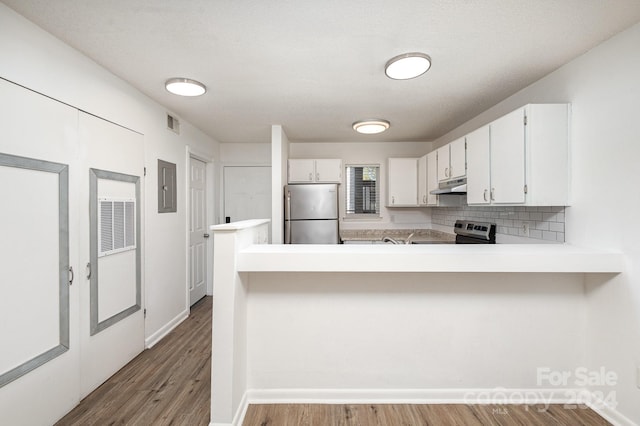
(206, 235)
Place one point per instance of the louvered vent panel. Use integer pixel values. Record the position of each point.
(117, 226)
(130, 217)
(106, 226)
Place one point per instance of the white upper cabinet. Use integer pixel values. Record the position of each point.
(315, 170)
(442, 154)
(507, 158)
(457, 159)
(478, 170)
(452, 160)
(402, 182)
(521, 158)
(432, 178)
(423, 193)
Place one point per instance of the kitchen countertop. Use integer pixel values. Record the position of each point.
(461, 258)
(419, 235)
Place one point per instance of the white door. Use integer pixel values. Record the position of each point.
(247, 193)
(432, 178)
(507, 158)
(329, 170)
(301, 171)
(422, 180)
(402, 181)
(478, 167)
(443, 162)
(197, 230)
(112, 320)
(457, 158)
(39, 355)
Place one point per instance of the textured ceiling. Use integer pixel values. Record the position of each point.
(317, 66)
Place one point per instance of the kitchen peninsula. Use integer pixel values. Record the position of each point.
(392, 323)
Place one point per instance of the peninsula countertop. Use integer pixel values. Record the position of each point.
(451, 258)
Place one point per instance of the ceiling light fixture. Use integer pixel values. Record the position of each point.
(185, 87)
(371, 127)
(407, 66)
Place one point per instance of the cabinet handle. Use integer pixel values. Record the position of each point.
(493, 193)
(424, 199)
(71, 275)
(393, 199)
(485, 195)
(446, 172)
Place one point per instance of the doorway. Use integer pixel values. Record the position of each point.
(247, 193)
(198, 232)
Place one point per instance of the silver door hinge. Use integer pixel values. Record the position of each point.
(144, 312)
(145, 171)
(525, 120)
(526, 189)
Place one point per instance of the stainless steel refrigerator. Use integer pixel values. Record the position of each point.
(311, 214)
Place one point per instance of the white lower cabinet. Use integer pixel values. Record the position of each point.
(521, 158)
(402, 182)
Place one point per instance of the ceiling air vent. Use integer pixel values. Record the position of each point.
(173, 124)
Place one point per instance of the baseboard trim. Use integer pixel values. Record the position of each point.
(608, 412)
(427, 396)
(152, 340)
(238, 418)
(412, 396)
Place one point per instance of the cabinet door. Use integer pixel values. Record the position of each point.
(508, 158)
(432, 178)
(301, 171)
(403, 182)
(422, 181)
(443, 162)
(328, 171)
(478, 167)
(457, 159)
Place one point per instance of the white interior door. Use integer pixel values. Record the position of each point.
(39, 355)
(198, 232)
(112, 327)
(247, 193)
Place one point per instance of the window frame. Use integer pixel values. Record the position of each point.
(362, 216)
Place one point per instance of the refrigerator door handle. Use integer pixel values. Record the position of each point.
(287, 234)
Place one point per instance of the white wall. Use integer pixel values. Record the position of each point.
(280, 146)
(423, 335)
(603, 87)
(371, 153)
(38, 61)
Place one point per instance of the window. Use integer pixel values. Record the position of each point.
(362, 190)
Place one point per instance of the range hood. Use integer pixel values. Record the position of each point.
(454, 186)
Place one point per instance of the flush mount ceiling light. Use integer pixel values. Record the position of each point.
(407, 66)
(371, 127)
(185, 87)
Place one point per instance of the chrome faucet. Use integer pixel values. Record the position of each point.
(389, 240)
(408, 240)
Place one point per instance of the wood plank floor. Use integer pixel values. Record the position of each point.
(169, 384)
(418, 415)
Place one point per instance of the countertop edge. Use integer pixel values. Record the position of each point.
(522, 258)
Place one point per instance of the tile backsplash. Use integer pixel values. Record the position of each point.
(545, 223)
